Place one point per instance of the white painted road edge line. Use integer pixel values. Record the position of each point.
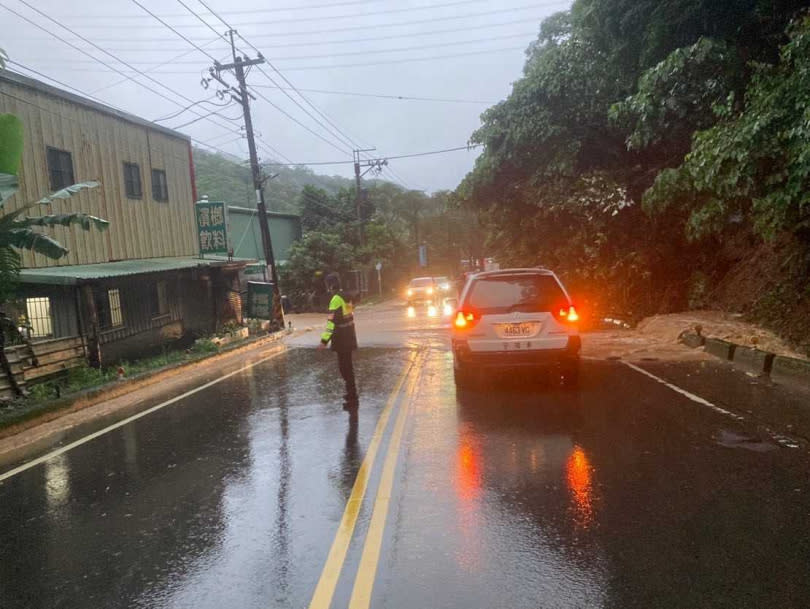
(695, 398)
(135, 417)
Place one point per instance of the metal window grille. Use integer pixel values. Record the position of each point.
(132, 180)
(160, 188)
(60, 168)
(38, 311)
(116, 313)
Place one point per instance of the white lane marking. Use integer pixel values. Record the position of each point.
(695, 398)
(135, 417)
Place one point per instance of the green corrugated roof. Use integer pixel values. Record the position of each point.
(78, 273)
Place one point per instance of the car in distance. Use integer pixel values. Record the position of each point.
(421, 290)
(444, 284)
(515, 318)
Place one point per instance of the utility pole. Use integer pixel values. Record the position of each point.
(243, 96)
(371, 164)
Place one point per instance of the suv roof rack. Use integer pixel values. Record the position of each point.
(516, 271)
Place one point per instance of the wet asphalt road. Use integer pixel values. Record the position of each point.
(624, 493)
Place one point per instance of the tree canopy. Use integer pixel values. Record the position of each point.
(641, 135)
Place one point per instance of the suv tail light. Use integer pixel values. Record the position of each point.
(569, 314)
(465, 320)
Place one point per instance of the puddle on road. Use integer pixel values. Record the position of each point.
(733, 439)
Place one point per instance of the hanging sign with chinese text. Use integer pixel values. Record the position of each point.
(211, 227)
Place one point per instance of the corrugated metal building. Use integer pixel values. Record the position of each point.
(141, 283)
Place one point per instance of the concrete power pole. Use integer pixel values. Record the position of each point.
(242, 96)
(375, 164)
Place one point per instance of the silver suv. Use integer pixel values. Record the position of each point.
(515, 318)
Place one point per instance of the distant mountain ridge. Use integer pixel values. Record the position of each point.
(222, 179)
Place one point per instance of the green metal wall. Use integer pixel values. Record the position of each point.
(246, 239)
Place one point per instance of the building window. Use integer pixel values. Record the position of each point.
(160, 299)
(132, 180)
(38, 311)
(116, 314)
(108, 308)
(60, 168)
(160, 188)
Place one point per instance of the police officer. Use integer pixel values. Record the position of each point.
(341, 334)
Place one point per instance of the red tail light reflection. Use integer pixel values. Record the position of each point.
(578, 474)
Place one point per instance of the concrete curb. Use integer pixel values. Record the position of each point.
(116, 389)
(754, 360)
(790, 370)
(780, 369)
(720, 348)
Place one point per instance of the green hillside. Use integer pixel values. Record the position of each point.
(224, 178)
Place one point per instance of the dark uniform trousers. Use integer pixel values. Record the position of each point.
(346, 367)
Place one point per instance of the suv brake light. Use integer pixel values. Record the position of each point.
(465, 319)
(569, 314)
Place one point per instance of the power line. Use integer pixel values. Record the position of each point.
(261, 95)
(254, 11)
(270, 150)
(359, 65)
(397, 178)
(74, 120)
(160, 65)
(197, 103)
(63, 84)
(353, 53)
(346, 139)
(394, 97)
(308, 43)
(89, 96)
(201, 50)
(220, 150)
(378, 25)
(84, 52)
(430, 152)
(357, 147)
(407, 60)
(296, 121)
(408, 9)
(300, 94)
(199, 118)
(404, 49)
(390, 158)
(339, 132)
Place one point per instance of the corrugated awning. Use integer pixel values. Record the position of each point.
(80, 273)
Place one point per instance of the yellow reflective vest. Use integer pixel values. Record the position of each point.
(340, 325)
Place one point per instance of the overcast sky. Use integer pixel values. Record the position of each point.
(317, 46)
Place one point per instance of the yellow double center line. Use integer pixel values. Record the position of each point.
(361, 595)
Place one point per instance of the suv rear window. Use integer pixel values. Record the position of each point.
(506, 294)
(422, 282)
